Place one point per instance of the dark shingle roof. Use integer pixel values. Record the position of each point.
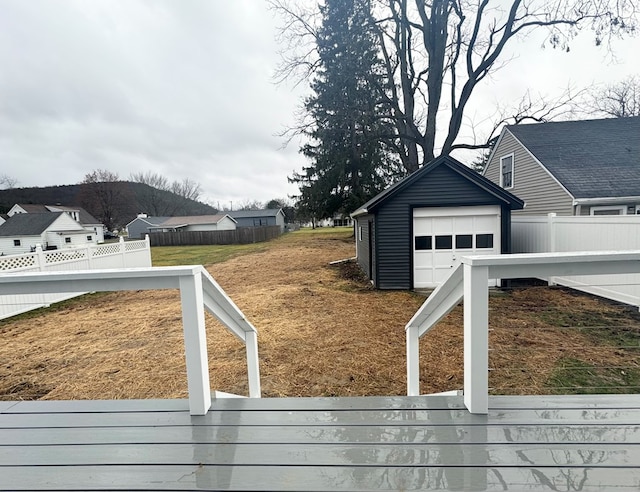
(591, 158)
(84, 216)
(513, 201)
(243, 214)
(28, 224)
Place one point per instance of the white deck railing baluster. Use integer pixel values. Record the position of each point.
(198, 291)
(470, 281)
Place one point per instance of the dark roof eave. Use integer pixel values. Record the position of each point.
(513, 201)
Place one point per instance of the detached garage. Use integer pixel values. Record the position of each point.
(412, 234)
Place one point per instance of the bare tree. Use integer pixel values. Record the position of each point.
(436, 54)
(620, 100)
(7, 182)
(164, 198)
(249, 205)
(187, 188)
(104, 196)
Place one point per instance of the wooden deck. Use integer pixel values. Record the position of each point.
(306, 444)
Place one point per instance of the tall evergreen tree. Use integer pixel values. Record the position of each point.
(351, 128)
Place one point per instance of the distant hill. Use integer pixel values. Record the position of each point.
(114, 204)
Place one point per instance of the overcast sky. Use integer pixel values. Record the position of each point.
(184, 88)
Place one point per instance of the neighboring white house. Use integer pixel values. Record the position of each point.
(143, 224)
(78, 214)
(22, 232)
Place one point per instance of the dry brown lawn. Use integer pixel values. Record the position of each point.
(322, 332)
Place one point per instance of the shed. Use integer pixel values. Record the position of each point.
(412, 234)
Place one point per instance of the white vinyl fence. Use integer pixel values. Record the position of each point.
(553, 234)
(123, 254)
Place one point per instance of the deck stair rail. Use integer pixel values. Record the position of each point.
(469, 281)
(198, 291)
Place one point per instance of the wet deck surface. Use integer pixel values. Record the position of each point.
(397, 443)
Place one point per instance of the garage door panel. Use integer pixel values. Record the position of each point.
(442, 225)
(441, 239)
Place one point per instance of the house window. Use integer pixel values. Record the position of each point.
(506, 171)
(16, 242)
(67, 240)
(422, 243)
(444, 242)
(259, 222)
(484, 241)
(615, 210)
(89, 238)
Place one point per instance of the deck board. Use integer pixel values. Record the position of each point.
(312, 479)
(410, 434)
(398, 443)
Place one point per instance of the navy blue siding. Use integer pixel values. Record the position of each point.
(441, 187)
(365, 246)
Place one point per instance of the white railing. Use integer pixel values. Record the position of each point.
(198, 291)
(567, 233)
(130, 254)
(470, 282)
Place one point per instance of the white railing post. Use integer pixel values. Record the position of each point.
(41, 259)
(476, 338)
(123, 252)
(195, 343)
(89, 256)
(551, 231)
(413, 361)
(253, 365)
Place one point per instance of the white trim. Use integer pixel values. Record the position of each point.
(621, 208)
(513, 170)
(493, 151)
(609, 200)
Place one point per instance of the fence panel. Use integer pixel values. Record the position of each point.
(552, 234)
(242, 235)
(123, 254)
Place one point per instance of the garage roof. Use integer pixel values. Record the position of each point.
(489, 186)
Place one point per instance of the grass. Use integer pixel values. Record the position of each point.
(575, 376)
(201, 255)
(212, 254)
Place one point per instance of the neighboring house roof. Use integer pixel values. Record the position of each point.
(31, 208)
(590, 158)
(29, 224)
(190, 220)
(152, 221)
(83, 216)
(244, 214)
(513, 201)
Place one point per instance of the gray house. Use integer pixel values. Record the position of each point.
(142, 225)
(412, 234)
(258, 218)
(589, 167)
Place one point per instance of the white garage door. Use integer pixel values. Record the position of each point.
(443, 235)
